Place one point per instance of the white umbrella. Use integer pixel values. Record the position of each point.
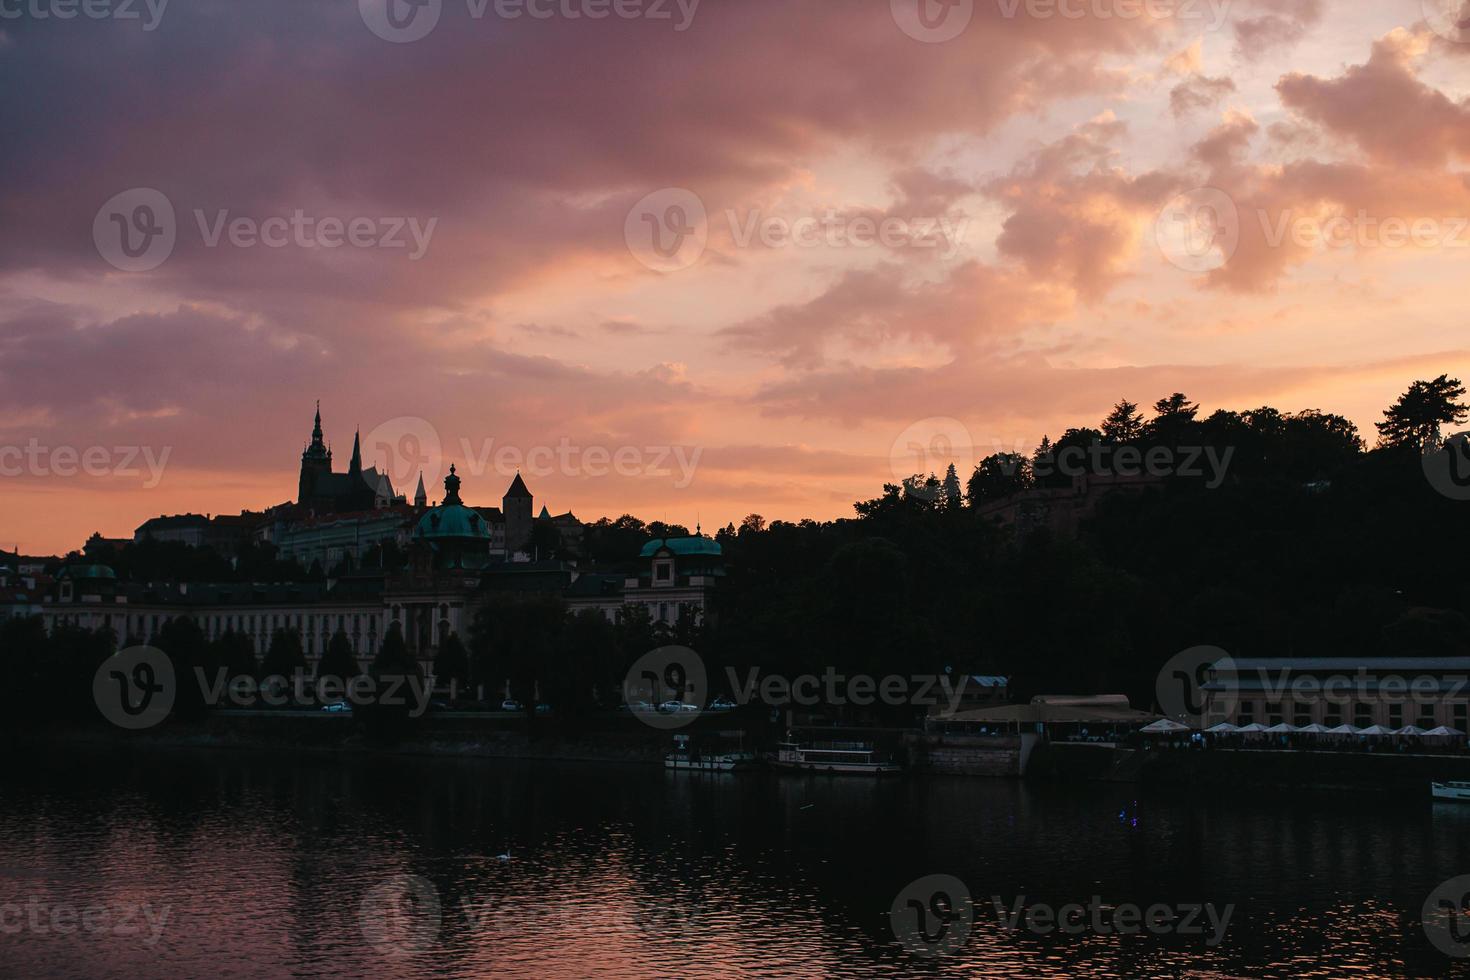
(1224, 728)
(1342, 730)
(1163, 727)
(1411, 730)
(1282, 729)
(1314, 729)
(1253, 728)
(1444, 730)
(1375, 730)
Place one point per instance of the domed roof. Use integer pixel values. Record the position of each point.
(452, 519)
(696, 544)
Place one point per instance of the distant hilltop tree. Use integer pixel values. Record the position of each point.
(1414, 420)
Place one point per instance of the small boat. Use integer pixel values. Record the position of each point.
(689, 757)
(836, 757)
(1451, 791)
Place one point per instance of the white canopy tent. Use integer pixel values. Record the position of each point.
(1375, 730)
(1445, 730)
(1164, 727)
(1224, 728)
(1282, 729)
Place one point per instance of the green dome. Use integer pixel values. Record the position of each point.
(696, 545)
(452, 519)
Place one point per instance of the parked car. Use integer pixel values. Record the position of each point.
(510, 704)
(721, 703)
(337, 706)
(674, 707)
(542, 709)
(636, 706)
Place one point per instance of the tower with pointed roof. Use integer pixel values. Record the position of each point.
(516, 505)
(316, 461)
(420, 499)
(321, 491)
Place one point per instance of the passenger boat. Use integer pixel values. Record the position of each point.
(835, 757)
(1451, 791)
(686, 755)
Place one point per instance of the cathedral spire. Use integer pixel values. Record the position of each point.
(420, 499)
(354, 467)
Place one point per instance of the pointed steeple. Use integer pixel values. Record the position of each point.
(420, 499)
(518, 489)
(354, 468)
(316, 430)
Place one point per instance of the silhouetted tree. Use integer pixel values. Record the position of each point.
(1413, 422)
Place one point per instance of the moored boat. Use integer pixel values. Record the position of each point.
(688, 756)
(836, 757)
(1451, 790)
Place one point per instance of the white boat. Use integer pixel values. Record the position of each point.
(838, 757)
(688, 757)
(1451, 791)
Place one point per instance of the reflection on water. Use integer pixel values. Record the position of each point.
(230, 865)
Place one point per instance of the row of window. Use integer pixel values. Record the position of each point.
(1361, 714)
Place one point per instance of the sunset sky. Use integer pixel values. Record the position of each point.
(792, 379)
